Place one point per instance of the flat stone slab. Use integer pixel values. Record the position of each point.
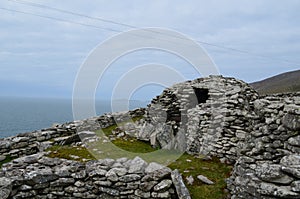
(2, 157)
(205, 180)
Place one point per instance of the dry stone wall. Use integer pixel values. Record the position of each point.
(37, 141)
(269, 162)
(37, 176)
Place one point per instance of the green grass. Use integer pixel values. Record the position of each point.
(212, 169)
(8, 159)
(66, 151)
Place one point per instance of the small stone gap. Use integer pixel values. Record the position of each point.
(201, 94)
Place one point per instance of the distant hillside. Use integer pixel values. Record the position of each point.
(282, 83)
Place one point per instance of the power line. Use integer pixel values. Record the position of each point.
(58, 19)
(29, 3)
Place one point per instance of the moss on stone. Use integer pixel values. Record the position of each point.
(7, 159)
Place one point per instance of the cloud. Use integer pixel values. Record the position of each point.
(35, 49)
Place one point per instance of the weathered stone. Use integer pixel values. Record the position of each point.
(112, 176)
(40, 176)
(79, 175)
(272, 173)
(296, 186)
(290, 160)
(291, 121)
(181, 190)
(137, 165)
(142, 194)
(119, 171)
(294, 171)
(276, 191)
(130, 178)
(153, 166)
(295, 141)
(163, 186)
(103, 183)
(147, 186)
(112, 192)
(2, 157)
(205, 180)
(190, 180)
(5, 187)
(62, 182)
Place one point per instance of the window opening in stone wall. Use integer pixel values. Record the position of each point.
(201, 94)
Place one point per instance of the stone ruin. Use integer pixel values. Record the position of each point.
(213, 116)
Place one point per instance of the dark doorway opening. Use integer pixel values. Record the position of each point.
(201, 94)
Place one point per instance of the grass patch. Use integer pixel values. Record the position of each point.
(133, 145)
(212, 169)
(70, 153)
(8, 159)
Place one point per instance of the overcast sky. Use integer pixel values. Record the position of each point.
(41, 57)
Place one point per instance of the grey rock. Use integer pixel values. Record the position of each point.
(112, 176)
(295, 141)
(290, 160)
(29, 159)
(147, 186)
(272, 173)
(165, 137)
(153, 166)
(112, 192)
(103, 183)
(119, 171)
(40, 176)
(79, 175)
(276, 191)
(62, 182)
(161, 195)
(137, 165)
(142, 194)
(205, 180)
(5, 187)
(294, 171)
(2, 157)
(163, 186)
(296, 186)
(106, 196)
(157, 174)
(190, 180)
(291, 121)
(181, 190)
(130, 178)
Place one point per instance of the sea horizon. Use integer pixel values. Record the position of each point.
(28, 114)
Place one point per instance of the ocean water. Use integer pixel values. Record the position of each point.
(19, 115)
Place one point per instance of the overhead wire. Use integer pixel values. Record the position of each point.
(33, 4)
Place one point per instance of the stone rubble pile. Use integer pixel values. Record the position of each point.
(37, 176)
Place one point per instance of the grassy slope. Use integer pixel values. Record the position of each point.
(282, 83)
